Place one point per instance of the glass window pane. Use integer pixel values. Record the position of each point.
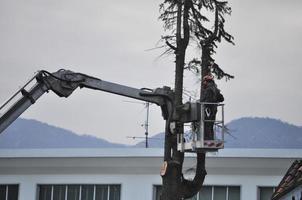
(114, 193)
(219, 193)
(2, 191)
(234, 193)
(266, 193)
(13, 191)
(157, 192)
(87, 192)
(59, 192)
(205, 193)
(45, 192)
(73, 192)
(101, 192)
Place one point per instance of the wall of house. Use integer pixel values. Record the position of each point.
(133, 187)
(137, 174)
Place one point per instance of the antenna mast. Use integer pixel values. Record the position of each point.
(146, 125)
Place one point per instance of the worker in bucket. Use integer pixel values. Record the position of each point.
(210, 94)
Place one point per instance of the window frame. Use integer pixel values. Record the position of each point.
(80, 188)
(6, 189)
(264, 186)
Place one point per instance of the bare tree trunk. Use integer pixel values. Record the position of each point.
(205, 65)
(175, 187)
(174, 159)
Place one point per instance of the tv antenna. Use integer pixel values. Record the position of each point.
(145, 124)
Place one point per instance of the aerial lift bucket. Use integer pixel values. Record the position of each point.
(194, 140)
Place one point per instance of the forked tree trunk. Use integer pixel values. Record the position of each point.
(174, 185)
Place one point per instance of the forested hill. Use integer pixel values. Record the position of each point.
(25, 133)
(244, 133)
(263, 133)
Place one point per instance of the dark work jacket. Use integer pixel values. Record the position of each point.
(211, 94)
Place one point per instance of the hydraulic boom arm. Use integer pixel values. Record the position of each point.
(64, 82)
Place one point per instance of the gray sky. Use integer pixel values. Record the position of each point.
(109, 39)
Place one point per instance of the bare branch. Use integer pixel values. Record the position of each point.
(170, 45)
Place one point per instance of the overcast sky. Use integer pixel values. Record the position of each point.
(110, 40)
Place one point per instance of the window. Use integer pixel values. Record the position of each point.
(79, 192)
(219, 193)
(9, 192)
(156, 192)
(209, 193)
(265, 193)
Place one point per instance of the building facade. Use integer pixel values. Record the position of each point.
(133, 174)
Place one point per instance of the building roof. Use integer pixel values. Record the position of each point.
(143, 152)
(140, 160)
(290, 181)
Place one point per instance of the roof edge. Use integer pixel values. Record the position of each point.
(142, 152)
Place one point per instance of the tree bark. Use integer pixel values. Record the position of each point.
(174, 158)
(175, 187)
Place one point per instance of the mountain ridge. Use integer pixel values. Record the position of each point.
(29, 133)
(245, 132)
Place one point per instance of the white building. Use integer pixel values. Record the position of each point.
(133, 174)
